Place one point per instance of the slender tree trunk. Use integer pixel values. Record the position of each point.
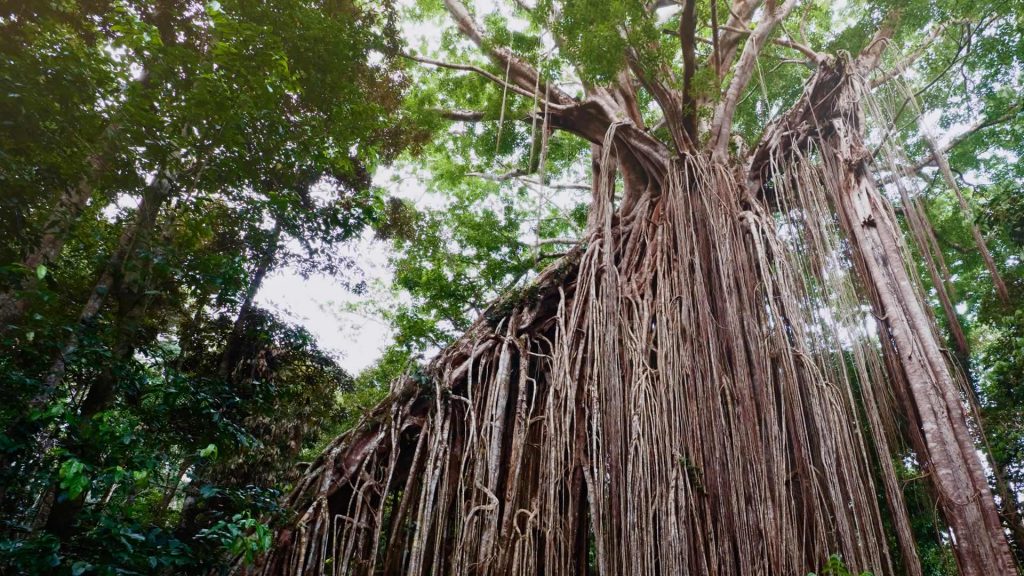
(172, 488)
(61, 220)
(266, 261)
(75, 198)
(979, 240)
(153, 200)
(133, 300)
(911, 208)
(1010, 505)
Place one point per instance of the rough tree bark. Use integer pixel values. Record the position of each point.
(667, 398)
(957, 472)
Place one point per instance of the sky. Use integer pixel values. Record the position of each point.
(344, 324)
(320, 304)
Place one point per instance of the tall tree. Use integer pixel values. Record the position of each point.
(729, 372)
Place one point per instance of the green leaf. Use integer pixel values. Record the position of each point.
(73, 478)
(40, 272)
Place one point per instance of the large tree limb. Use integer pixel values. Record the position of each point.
(739, 18)
(668, 100)
(871, 55)
(816, 104)
(475, 69)
(588, 119)
(721, 126)
(687, 41)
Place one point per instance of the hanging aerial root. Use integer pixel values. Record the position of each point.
(687, 392)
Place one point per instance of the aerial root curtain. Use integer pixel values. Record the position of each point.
(714, 382)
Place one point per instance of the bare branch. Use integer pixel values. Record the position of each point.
(549, 241)
(523, 176)
(521, 74)
(811, 55)
(668, 100)
(739, 17)
(909, 60)
(475, 69)
(979, 240)
(524, 6)
(974, 128)
(807, 51)
(871, 55)
(505, 177)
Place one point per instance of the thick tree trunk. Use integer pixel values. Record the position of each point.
(672, 390)
(1009, 503)
(936, 406)
(622, 396)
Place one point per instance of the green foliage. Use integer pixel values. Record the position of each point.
(180, 410)
(73, 477)
(836, 567)
(242, 536)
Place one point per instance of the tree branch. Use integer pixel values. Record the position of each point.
(914, 56)
(740, 13)
(549, 241)
(461, 115)
(807, 51)
(979, 125)
(475, 69)
(871, 55)
(505, 177)
(714, 39)
(721, 126)
(668, 100)
(523, 176)
(521, 74)
(588, 119)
